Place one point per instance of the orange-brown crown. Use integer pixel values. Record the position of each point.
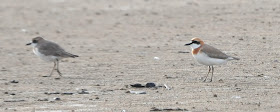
(199, 40)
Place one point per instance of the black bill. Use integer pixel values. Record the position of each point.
(28, 44)
(188, 44)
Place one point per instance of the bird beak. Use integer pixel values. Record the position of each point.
(188, 44)
(28, 44)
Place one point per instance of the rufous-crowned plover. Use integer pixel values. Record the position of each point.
(208, 55)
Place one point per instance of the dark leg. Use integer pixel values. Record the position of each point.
(212, 73)
(207, 73)
(59, 73)
(52, 69)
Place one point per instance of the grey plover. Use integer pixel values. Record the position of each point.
(50, 52)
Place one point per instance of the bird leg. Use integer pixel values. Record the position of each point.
(59, 73)
(207, 73)
(212, 73)
(52, 69)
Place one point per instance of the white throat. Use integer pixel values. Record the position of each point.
(194, 46)
(33, 44)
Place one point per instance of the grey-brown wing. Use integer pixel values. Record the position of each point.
(50, 48)
(213, 52)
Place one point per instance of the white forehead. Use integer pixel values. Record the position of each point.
(194, 45)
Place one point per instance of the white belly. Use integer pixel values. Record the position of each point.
(202, 58)
(44, 57)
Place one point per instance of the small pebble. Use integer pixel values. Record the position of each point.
(221, 81)
(67, 93)
(156, 58)
(137, 85)
(23, 30)
(57, 99)
(126, 14)
(236, 97)
(215, 95)
(238, 89)
(83, 91)
(14, 81)
(136, 92)
(45, 99)
(49, 93)
(149, 85)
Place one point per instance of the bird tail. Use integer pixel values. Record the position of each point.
(71, 55)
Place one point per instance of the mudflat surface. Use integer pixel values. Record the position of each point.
(140, 41)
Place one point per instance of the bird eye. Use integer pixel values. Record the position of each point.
(34, 41)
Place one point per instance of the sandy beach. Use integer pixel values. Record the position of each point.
(126, 42)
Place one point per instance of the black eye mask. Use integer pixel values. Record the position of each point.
(34, 41)
(195, 42)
